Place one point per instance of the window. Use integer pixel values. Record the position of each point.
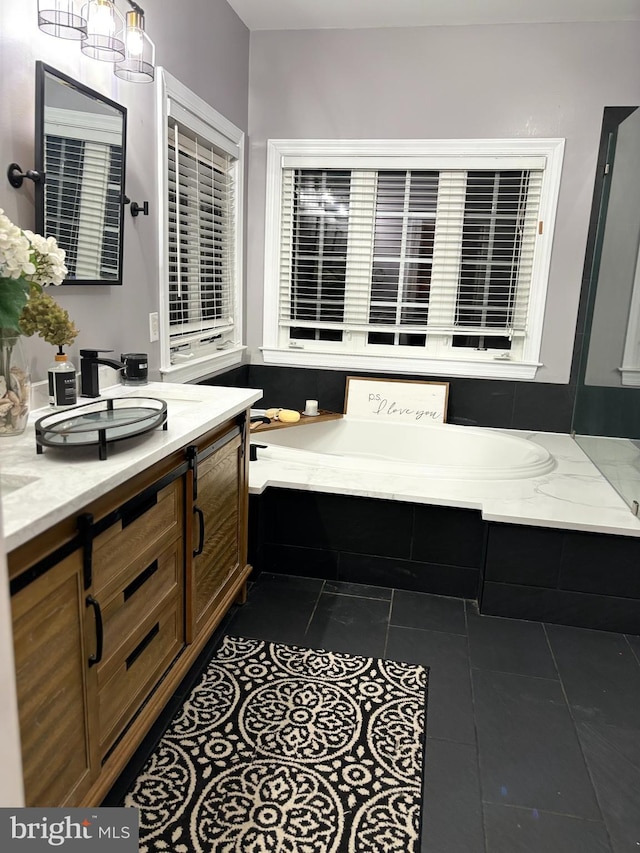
(409, 256)
(201, 239)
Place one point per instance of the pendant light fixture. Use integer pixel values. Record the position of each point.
(138, 65)
(62, 19)
(104, 38)
(103, 34)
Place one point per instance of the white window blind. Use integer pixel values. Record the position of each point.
(410, 256)
(201, 240)
(82, 204)
(378, 258)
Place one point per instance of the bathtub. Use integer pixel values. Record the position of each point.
(436, 451)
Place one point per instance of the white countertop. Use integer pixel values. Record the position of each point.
(64, 482)
(574, 496)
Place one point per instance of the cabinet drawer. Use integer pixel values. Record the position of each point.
(143, 593)
(142, 664)
(146, 527)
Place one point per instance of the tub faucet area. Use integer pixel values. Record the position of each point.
(89, 361)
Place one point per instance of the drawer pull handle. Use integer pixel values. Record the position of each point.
(200, 547)
(91, 602)
(142, 578)
(136, 509)
(142, 645)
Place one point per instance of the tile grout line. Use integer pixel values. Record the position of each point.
(515, 674)
(315, 607)
(545, 811)
(441, 739)
(475, 729)
(575, 728)
(386, 634)
(633, 651)
(429, 630)
(354, 595)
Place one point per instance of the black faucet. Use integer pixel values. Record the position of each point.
(89, 361)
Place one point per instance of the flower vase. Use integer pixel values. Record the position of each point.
(15, 384)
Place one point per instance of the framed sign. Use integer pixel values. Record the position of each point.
(397, 400)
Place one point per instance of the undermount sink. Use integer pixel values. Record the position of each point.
(12, 482)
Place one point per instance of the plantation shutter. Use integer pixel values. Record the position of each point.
(402, 254)
(201, 237)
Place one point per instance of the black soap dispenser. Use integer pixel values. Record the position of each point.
(61, 376)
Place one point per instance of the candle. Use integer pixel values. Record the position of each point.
(311, 408)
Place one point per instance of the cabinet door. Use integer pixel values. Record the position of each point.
(217, 531)
(50, 620)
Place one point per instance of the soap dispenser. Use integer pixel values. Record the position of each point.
(62, 381)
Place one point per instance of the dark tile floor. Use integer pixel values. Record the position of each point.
(533, 730)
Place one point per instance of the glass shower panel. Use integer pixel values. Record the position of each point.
(607, 411)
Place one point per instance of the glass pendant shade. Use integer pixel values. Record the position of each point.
(138, 65)
(104, 38)
(62, 18)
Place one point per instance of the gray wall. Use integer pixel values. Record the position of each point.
(204, 45)
(448, 82)
(459, 82)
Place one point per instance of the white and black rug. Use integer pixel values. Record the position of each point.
(282, 749)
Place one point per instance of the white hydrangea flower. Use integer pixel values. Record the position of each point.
(48, 258)
(15, 250)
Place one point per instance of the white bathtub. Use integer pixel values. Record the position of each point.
(437, 451)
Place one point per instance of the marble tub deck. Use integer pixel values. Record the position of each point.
(574, 496)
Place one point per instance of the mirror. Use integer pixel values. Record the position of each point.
(80, 146)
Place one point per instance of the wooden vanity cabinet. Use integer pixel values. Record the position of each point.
(111, 608)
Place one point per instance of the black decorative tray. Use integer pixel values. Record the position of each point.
(100, 423)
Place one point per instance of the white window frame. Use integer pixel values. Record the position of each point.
(410, 154)
(173, 96)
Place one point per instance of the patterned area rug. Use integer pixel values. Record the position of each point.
(281, 749)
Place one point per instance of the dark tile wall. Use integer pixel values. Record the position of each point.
(475, 402)
(236, 378)
(587, 580)
(362, 540)
(565, 577)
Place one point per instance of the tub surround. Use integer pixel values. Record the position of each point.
(40, 490)
(573, 496)
(561, 548)
(362, 540)
(561, 576)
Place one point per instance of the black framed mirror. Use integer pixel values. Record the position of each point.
(81, 147)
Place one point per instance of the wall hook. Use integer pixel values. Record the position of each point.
(139, 208)
(16, 175)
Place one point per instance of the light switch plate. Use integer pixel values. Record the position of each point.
(154, 327)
